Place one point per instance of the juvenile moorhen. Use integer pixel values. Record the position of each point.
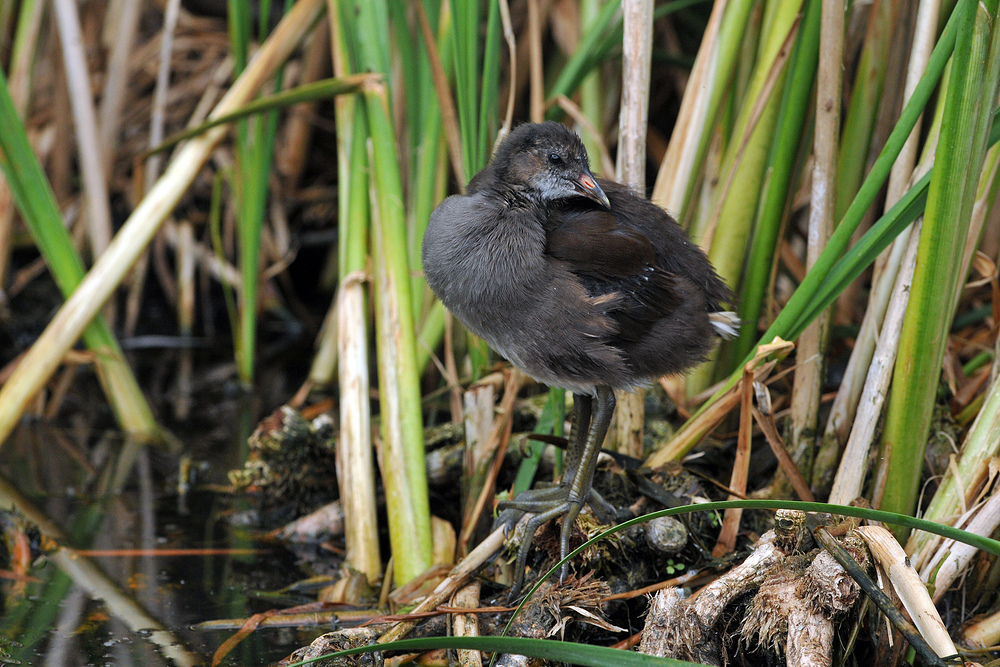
(580, 283)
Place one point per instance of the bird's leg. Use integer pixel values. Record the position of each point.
(575, 488)
(605, 512)
(583, 476)
(582, 410)
(541, 500)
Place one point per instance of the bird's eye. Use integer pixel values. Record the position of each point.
(555, 158)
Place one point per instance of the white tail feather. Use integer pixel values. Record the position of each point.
(725, 322)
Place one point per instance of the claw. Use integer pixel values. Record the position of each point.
(572, 493)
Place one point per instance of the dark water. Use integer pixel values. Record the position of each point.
(68, 468)
(55, 619)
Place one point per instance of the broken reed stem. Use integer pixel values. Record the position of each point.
(467, 625)
(108, 271)
(637, 48)
(979, 448)
(952, 558)
(982, 633)
(741, 469)
(479, 418)
(354, 447)
(483, 552)
(812, 343)
(911, 590)
(492, 451)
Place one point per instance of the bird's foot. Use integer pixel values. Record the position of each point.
(544, 505)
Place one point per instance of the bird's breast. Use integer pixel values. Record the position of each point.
(483, 259)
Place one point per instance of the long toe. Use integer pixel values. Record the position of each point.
(533, 501)
(532, 525)
(537, 500)
(567, 530)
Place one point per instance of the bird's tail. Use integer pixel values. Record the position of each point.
(726, 323)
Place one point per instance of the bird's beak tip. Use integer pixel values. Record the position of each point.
(591, 190)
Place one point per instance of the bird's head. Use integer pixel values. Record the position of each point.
(547, 162)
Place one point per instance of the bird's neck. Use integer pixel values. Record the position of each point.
(521, 198)
(511, 193)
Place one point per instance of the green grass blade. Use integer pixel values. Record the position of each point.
(254, 153)
(488, 111)
(859, 121)
(794, 109)
(841, 238)
(544, 649)
(40, 213)
(310, 92)
(465, 29)
(550, 422)
(937, 275)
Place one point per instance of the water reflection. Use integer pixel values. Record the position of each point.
(119, 583)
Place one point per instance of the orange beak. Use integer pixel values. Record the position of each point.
(587, 186)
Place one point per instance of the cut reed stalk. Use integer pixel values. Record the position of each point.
(810, 366)
(347, 337)
(403, 467)
(637, 48)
